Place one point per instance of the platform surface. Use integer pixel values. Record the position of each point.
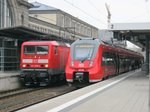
(125, 93)
(9, 74)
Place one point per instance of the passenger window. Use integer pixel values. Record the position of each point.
(105, 57)
(108, 59)
(55, 50)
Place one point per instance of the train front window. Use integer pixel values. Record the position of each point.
(42, 49)
(30, 49)
(83, 52)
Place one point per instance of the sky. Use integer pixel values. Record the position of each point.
(94, 11)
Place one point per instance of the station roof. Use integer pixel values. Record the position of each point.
(141, 30)
(21, 32)
(143, 27)
(26, 33)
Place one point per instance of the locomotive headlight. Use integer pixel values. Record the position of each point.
(91, 63)
(23, 65)
(72, 63)
(46, 66)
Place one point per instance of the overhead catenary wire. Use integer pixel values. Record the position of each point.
(85, 12)
(98, 10)
(96, 19)
(34, 16)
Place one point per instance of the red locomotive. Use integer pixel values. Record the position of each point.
(91, 61)
(43, 62)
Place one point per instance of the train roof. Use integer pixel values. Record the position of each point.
(121, 49)
(92, 40)
(99, 42)
(56, 43)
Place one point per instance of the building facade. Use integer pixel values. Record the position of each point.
(12, 13)
(67, 25)
(41, 18)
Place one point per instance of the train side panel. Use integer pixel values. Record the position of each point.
(43, 68)
(107, 61)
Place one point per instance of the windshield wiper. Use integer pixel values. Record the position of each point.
(83, 59)
(88, 57)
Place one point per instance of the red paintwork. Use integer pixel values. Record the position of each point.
(54, 61)
(96, 71)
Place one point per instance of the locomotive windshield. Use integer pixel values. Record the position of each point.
(31, 49)
(83, 52)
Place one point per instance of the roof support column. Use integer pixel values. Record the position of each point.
(147, 54)
(147, 66)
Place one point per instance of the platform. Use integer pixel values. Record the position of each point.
(9, 81)
(9, 74)
(125, 93)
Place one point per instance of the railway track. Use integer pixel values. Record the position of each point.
(29, 97)
(11, 93)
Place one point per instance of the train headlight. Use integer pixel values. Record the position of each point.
(46, 66)
(91, 63)
(72, 63)
(24, 65)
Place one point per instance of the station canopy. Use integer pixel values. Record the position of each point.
(25, 33)
(139, 30)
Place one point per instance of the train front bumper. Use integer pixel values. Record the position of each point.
(85, 76)
(33, 76)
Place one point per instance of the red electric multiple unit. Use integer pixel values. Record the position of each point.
(91, 61)
(43, 62)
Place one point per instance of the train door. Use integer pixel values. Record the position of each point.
(62, 59)
(108, 64)
(104, 64)
(111, 64)
(57, 60)
(117, 63)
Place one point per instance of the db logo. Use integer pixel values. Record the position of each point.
(81, 65)
(35, 61)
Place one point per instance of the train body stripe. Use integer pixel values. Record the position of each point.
(27, 61)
